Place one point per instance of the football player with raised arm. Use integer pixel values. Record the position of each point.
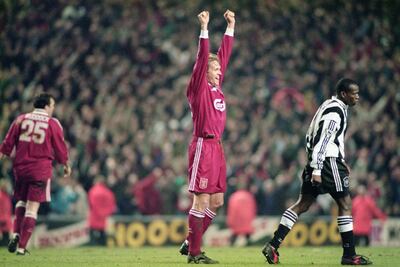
(207, 166)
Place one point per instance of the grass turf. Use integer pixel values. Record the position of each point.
(169, 257)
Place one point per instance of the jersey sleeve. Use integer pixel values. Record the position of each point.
(329, 125)
(200, 67)
(12, 137)
(224, 53)
(58, 142)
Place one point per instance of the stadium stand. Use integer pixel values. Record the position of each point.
(119, 71)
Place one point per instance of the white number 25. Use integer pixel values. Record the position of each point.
(33, 131)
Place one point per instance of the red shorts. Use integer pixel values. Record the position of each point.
(32, 190)
(207, 166)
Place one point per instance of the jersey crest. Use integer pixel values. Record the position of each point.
(203, 183)
(219, 104)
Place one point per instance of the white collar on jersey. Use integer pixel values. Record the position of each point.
(214, 88)
(40, 111)
(341, 103)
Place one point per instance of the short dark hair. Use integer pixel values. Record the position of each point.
(42, 100)
(343, 85)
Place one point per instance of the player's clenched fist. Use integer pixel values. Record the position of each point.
(229, 17)
(204, 17)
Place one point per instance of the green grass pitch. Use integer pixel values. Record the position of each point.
(168, 257)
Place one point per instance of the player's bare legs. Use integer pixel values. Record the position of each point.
(27, 225)
(216, 201)
(345, 225)
(289, 218)
(201, 201)
(302, 204)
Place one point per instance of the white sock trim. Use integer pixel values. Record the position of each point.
(196, 213)
(31, 214)
(209, 213)
(345, 223)
(289, 218)
(20, 204)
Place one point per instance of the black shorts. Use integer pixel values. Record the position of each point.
(334, 176)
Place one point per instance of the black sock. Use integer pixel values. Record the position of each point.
(279, 236)
(348, 244)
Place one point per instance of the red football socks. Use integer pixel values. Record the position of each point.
(195, 231)
(19, 216)
(27, 226)
(209, 216)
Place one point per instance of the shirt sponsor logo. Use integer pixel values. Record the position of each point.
(203, 183)
(219, 104)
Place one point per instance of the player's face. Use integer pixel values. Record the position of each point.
(351, 97)
(214, 72)
(50, 108)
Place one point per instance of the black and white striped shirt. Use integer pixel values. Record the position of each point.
(325, 136)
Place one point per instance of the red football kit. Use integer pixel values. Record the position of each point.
(207, 166)
(38, 140)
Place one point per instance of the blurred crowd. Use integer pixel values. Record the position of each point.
(119, 71)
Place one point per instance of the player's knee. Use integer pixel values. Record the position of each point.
(32, 207)
(200, 205)
(344, 205)
(214, 205)
(345, 208)
(301, 207)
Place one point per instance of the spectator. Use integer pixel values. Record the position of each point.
(101, 206)
(242, 210)
(80, 207)
(5, 213)
(146, 194)
(364, 211)
(63, 197)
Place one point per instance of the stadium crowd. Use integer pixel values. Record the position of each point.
(119, 72)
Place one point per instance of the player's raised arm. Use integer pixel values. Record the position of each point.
(225, 50)
(204, 18)
(200, 67)
(230, 19)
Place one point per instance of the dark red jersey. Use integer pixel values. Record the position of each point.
(38, 140)
(207, 102)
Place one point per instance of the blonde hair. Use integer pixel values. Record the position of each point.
(212, 57)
